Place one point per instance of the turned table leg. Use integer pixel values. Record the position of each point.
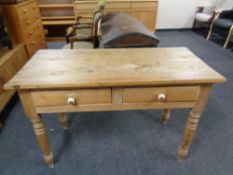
(193, 120)
(42, 139)
(63, 120)
(165, 116)
(38, 126)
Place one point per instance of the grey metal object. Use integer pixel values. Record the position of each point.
(121, 30)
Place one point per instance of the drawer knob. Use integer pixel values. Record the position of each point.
(162, 97)
(71, 101)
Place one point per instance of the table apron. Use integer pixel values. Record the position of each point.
(115, 107)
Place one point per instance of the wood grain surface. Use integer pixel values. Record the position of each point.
(113, 68)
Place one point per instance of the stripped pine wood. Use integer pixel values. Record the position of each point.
(61, 81)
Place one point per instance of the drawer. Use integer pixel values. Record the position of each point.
(86, 6)
(31, 45)
(117, 5)
(80, 97)
(34, 10)
(30, 32)
(139, 5)
(25, 18)
(154, 94)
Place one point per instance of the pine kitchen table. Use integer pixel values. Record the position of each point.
(61, 81)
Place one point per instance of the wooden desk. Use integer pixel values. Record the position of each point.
(59, 81)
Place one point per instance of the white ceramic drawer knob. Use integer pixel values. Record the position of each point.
(162, 97)
(71, 101)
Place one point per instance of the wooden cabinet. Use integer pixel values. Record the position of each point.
(59, 12)
(10, 63)
(144, 11)
(25, 26)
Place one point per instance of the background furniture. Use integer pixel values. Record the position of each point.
(86, 31)
(10, 1)
(204, 17)
(4, 39)
(10, 63)
(121, 30)
(144, 10)
(114, 79)
(25, 26)
(56, 17)
(57, 12)
(223, 25)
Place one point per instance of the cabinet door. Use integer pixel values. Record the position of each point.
(145, 12)
(112, 7)
(85, 8)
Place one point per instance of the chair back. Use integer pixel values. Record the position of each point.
(96, 27)
(98, 15)
(209, 9)
(100, 7)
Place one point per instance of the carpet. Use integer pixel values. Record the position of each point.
(131, 142)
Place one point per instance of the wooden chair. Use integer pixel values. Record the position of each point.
(86, 31)
(223, 25)
(204, 17)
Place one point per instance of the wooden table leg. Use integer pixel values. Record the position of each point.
(165, 116)
(42, 139)
(38, 126)
(193, 120)
(63, 120)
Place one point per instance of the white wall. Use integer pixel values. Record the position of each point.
(175, 14)
(223, 4)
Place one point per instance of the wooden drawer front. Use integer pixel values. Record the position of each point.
(31, 45)
(25, 16)
(34, 10)
(86, 6)
(117, 5)
(29, 33)
(150, 94)
(83, 97)
(140, 5)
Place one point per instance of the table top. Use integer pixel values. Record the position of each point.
(82, 68)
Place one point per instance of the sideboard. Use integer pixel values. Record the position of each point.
(25, 26)
(10, 63)
(145, 11)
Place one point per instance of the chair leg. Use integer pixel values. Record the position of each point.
(210, 32)
(71, 44)
(63, 120)
(165, 116)
(194, 24)
(207, 30)
(228, 37)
